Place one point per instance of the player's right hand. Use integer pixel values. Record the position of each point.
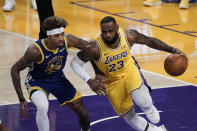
(24, 109)
(98, 84)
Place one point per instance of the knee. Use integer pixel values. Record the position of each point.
(43, 107)
(142, 98)
(146, 104)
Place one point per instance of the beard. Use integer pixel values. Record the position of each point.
(111, 42)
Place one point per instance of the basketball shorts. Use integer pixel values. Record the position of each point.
(119, 93)
(61, 88)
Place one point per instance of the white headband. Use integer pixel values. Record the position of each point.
(55, 31)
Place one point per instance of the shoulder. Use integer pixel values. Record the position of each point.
(92, 51)
(33, 53)
(131, 32)
(33, 49)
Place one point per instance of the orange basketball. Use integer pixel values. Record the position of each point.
(176, 64)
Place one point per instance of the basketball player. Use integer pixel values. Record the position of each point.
(46, 59)
(110, 52)
(3, 127)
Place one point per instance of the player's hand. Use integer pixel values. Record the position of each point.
(175, 50)
(98, 84)
(24, 109)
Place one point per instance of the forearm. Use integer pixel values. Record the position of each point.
(17, 83)
(78, 67)
(160, 45)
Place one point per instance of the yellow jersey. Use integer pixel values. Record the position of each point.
(115, 63)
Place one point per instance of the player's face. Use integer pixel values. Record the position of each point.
(109, 32)
(57, 40)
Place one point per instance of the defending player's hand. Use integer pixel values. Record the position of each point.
(24, 109)
(98, 84)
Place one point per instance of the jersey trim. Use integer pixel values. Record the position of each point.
(130, 110)
(125, 35)
(31, 88)
(77, 96)
(100, 57)
(40, 52)
(66, 43)
(53, 51)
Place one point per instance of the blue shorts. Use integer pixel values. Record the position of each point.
(58, 85)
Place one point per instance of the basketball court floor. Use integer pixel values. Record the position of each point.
(175, 97)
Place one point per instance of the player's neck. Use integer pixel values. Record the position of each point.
(49, 45)
(115, 43)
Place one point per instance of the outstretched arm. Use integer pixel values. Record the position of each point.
(97, 84)
(31, 55)
(136, 37)
(78, 43)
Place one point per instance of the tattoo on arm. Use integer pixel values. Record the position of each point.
(31, 55)
(76, 42)
(136, 37)
(80, 43)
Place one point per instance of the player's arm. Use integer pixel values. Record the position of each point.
(97, 84)
(31, 55)
(134, 36)
(78, 43)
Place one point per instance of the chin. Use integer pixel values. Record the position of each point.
(60, 46)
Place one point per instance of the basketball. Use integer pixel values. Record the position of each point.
(176, 64)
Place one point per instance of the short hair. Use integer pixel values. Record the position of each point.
(108, 19)
(53, 22)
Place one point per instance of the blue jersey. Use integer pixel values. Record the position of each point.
(52, 62)
(47, 74)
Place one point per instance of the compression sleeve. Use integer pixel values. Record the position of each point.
(78, 67)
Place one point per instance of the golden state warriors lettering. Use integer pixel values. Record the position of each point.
(54, 64)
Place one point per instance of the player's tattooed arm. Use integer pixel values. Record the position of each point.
(91, 53)
(31, 55)
(136, 37)
(76, 42)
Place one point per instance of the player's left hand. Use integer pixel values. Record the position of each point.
(24, 109)
(98, 84)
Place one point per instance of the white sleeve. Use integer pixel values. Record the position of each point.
(78, 67)
(0, 121)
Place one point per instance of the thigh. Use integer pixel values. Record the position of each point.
(142, 97)
(40, 99)
(133, 79)
(119, 98)
(36, 85)
(65, 92)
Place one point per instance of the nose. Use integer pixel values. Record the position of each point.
(61, 38)
(108, 34)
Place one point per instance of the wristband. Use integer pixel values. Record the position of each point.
(21, 100)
